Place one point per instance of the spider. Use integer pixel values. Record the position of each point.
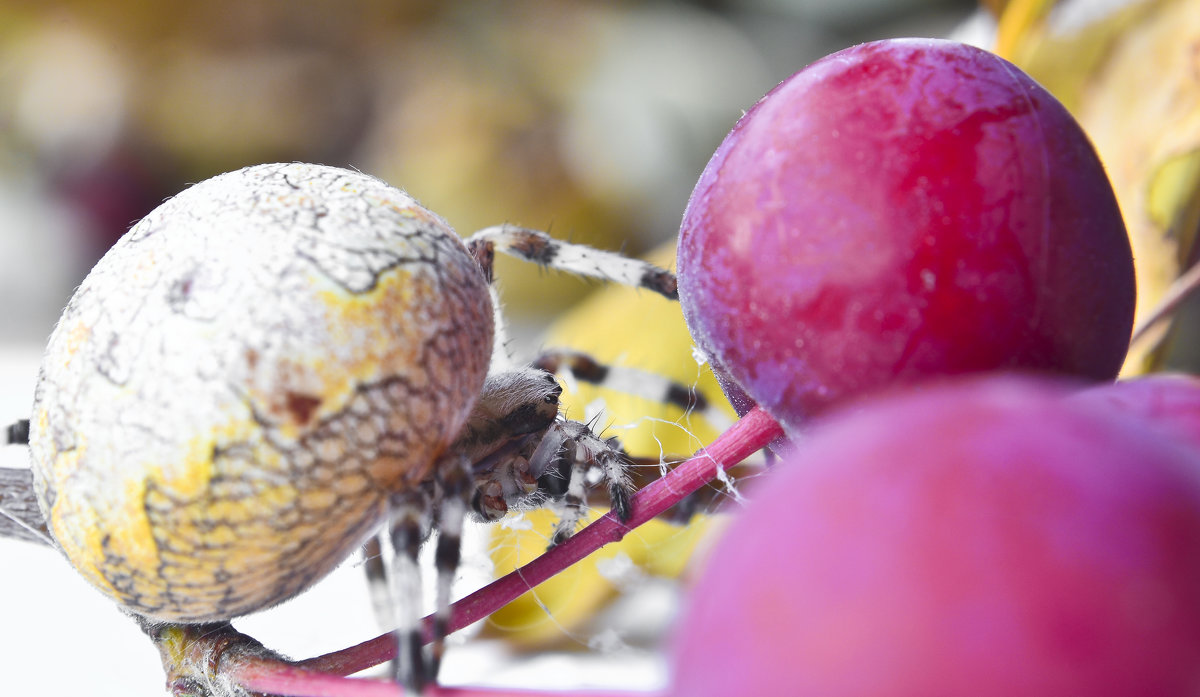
(277, 363)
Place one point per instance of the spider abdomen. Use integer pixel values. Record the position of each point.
(237, 387)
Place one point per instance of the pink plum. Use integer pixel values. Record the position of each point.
(1171, 401)
(897, 210)
(989, 539)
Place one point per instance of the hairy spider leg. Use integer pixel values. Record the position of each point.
(410, 524)
(578, 365)
(376, 571)
(578, 259)
(412, 520)
(455, 485)
(632, 381)
(581, 260)
(20, 517)
(566, 455)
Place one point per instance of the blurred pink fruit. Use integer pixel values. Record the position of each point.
(1171, 401)
(993, 538)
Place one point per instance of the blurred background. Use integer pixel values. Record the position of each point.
(588, 119)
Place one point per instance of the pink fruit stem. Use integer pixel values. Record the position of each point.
(439, 691)
(749, 435)
(289, 680)
(277, 678)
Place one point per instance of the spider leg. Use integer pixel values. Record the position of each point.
(653, 387)
(413, 514)
(377, 581)
(18, 433)
(409, 526)
(454, 479)
(544, 250)
(707, 499)
(20, 517)
(567, 483)
(567, 454)
(631, 381)
(613, 465)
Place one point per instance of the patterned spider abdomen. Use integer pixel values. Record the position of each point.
(238, 385)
